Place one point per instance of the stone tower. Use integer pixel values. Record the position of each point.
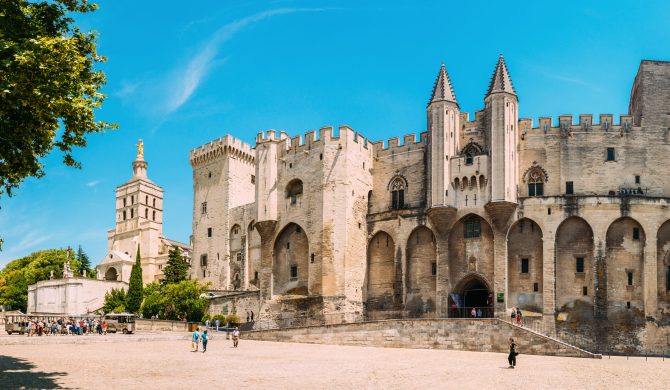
(501, 107)
(223, 178)
(139, 220)
(443, 127)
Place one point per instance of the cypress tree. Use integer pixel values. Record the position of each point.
(176, 268)
(84, 262)
(135, 291)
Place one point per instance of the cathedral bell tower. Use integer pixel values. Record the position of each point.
(444, 130)
(501, 107)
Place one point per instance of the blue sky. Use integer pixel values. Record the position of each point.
(181, 74)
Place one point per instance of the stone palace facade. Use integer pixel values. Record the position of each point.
(567, 218)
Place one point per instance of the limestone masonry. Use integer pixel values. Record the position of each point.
(568, 219)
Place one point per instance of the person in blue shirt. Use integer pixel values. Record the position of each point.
(196, 339)
(204, 341)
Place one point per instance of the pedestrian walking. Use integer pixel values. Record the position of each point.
(479, 313)
(236, 337)
(513, 314)
(195, 340)
(252, 316)
(519, 317)
(217, 323)
(204, 341)
(207, 323)
(473, 313)
(511, 358)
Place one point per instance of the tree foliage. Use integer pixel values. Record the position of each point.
(20, 273)
(183, 301)
(154, 301)
(176, 268)
(135, 293)
(49, 87)
(115, 301)
(84, 262)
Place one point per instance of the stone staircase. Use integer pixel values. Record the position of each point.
(476, 334)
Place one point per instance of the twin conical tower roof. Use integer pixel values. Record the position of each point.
(501, 82)
(442, 90)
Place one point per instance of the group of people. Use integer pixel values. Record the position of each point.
(517, 316)
(66, 327)
(476, 312)
(203, 337)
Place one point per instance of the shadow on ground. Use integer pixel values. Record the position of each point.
(18, 374)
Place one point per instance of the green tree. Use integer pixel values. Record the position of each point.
(176, 268)
(135, 293)
(84, 262)
(154, 301)
(115, 301)
(20, 273)
(183, 301)
(49, 86)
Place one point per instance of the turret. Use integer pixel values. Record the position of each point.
(443, 127)
(266, 176)
(501, 106)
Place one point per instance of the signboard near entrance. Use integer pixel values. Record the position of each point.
(501, 297)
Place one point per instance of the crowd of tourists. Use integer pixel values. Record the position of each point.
(64, 326)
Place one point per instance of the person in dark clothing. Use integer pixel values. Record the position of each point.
(512, 353)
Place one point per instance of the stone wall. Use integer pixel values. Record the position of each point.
(485, 335)
(147, 325)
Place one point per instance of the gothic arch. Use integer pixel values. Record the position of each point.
(381, 275)
(625, 240)
(663, 265)
(473, 290)
(574, 245)
(525, 265)
(111, 274)
(473, 148)
(470, 247)
(421, 271)
(291, 261)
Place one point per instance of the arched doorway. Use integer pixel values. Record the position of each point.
(574, 265)
(381, 273)
(625, 242)
(524, 265)
(421, 272)
(473, 291)
(290, 266)
(111, 274)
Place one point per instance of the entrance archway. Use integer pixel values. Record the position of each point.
(471, 292)
(111, 274)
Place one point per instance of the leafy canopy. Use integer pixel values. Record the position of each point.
(115, 301)
(49, 87)
(20, 273)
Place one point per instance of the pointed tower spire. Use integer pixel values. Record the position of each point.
(442, 90)
(501, 82)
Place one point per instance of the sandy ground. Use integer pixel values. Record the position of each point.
(169, 364)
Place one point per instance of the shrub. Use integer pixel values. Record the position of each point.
(233, 319)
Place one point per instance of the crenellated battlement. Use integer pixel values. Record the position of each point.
(566, 125)
(393, 145)
(309, 140)
(226, 145)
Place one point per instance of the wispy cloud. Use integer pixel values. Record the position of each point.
(189, 78)
(127, 88)
(93, 183)
(572, 80)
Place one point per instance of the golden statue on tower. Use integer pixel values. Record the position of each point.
(140, 148)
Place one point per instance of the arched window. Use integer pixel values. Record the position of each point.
(293, 190)
(473, 228)
(471, 150)
(535, 178)
(397, 188)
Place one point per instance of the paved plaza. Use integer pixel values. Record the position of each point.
(164, 361)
